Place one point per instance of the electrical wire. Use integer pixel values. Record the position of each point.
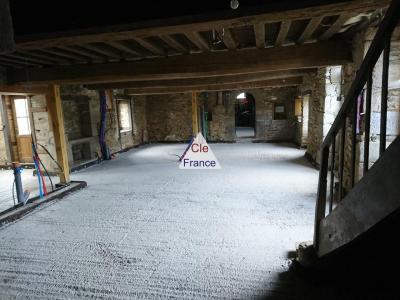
(51, 156)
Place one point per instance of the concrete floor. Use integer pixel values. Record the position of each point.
(29, 182)
(146, 229)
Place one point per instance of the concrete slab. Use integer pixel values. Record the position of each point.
(146, 229)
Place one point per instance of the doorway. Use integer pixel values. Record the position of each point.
(245, 116)
(22, 124)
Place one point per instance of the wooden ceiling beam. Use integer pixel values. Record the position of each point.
(201, 23)
(124, 48)
(242, 78)
(19, 61)
(335, 28)
(173, 43)
(220, 87)
(150, 46)
(31, 59)
(197, 65)
(108, 54)
(83, 52)
(283, 31)
(259, 33)
(310, 29)
(229, 40)
(45, 57)
(196, 38)
(62, 53)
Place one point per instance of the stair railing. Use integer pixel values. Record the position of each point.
(381, 43)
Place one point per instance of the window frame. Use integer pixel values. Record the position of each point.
(120, 127)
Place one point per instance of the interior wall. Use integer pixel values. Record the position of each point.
(268, 128)
(169, 117)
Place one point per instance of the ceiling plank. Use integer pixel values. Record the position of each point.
(283, 31)
(218, 87)
(335, 27)
(46, 57)
(229, 40)
(31, 59)
(310, 29)
(242, 78)
(198, 41)
(204, 23)
(170, 41)
(259, 33)
(197, 65)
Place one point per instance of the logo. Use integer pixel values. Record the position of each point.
(198, 155)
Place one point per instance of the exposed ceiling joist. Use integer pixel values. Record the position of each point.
(123, 47)
(195, 65)
(229, 40)
(170, 41)
(259, 32)
(283, 31)
(198, 41)
(180, 25)
(219, 87)
(310, 29)
(150, 46)
(242, 78)
(335, 27)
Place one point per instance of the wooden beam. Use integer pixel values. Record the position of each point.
(83, 52)
(195, 121)
(229, 40)
(198, 41)
(192, 82)
(196, 65)
(62, 53)
(30, 59)
(335, 27)
(310, 29)
(259, 33)
(20, 61)
(107, 53)
(54, 106)
(44, 57)
(170, 41)
(120, 45)
(23, 90)
(150, 46)
(283, 31)
(215, 87)
(269, 13)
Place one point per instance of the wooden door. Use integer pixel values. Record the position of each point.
(23, 129)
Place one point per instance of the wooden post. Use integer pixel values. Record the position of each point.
(195, 121)
(54, 106)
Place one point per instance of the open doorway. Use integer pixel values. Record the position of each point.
(245, 113)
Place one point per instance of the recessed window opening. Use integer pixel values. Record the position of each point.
(124, 115)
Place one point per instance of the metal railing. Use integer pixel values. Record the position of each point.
(349, 111)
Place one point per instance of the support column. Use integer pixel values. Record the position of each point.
(54, 105)
(195, 121)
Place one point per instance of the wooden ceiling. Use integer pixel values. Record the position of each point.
(183, 38)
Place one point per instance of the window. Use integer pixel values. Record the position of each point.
(124, 115)
(279, 111)
(22, 115)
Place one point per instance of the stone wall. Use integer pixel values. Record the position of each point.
(43, 131)
(221, 106)
(169, 117)
(325, 103)
(81, 109)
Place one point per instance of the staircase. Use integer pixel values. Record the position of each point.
(366, 218)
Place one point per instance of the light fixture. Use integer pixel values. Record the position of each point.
(234, 4)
